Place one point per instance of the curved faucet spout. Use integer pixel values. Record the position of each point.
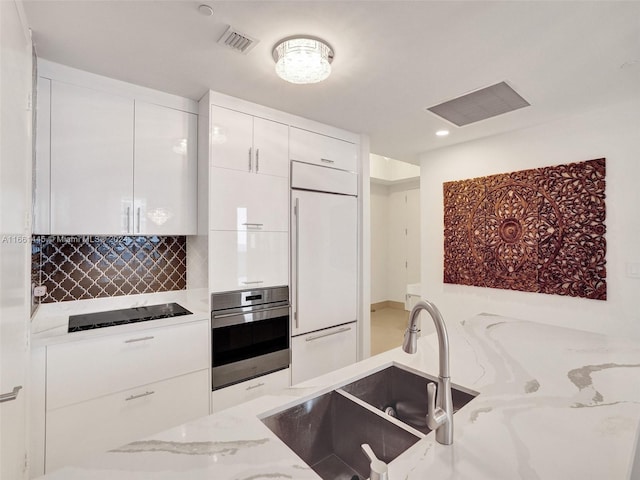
(440, 411)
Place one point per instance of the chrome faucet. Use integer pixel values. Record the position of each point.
(439, 403)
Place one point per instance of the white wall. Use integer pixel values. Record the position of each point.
(611, 132)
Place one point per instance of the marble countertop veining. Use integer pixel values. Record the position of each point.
(554, 403)
(50, 323)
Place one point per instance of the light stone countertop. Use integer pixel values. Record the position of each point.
(50, 323)
(554, 403)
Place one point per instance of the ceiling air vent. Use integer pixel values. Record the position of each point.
(237, 41)
(479, 105)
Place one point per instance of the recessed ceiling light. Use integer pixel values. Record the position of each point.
(205, 10)
(303, 59)
(442, 133)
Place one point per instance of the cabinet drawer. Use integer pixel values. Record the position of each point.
(80, 371)
(245, 391)
(323, 351)
(246, 201)
(312, 147)
(247, 259)
(76, 431)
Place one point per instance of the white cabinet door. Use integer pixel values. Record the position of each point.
(91, 161)
(271, 144)
(245, 391)
(325, 274)
(322, 352)
(165, 171)
(231, 139)
(244, 259)
(244, 201)
(82, 429)
(250, 144)
(312, 147)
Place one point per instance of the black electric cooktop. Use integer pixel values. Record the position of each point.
(112, 318)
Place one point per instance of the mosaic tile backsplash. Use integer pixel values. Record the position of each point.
(81, 267)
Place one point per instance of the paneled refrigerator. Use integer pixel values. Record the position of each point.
(324, 242)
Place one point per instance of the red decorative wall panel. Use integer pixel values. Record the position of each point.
(539, 230)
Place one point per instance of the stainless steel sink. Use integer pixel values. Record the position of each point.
(327, 432)
(403, 394)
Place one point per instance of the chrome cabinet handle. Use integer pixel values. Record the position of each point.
(253, 283)
(12, 395)
(296, 211)
(327, 160)
(141, 339)
(255, 225)
(138, 214)
(249, 158)
(261, 384)
(257, 160)
(128, 219)
(140, 395)
(344, 329)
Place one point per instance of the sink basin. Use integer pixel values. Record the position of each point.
(403, 394)
(327, 431)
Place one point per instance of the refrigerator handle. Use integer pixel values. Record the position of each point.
(296, 211)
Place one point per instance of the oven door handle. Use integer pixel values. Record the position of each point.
(227, 320)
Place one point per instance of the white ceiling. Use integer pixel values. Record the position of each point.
(392, 58)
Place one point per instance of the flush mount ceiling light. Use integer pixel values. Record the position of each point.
(303, 59)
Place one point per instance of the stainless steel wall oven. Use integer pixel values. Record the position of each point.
(250, 334)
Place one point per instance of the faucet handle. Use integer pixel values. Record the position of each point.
(435, 416)
(379, 469)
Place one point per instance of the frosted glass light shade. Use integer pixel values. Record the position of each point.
(303, 60)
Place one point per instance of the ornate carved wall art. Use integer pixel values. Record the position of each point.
(539, 230)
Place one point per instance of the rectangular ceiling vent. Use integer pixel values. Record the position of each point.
(237, 41)
(479, 105)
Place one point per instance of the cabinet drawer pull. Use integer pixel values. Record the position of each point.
(128, 219)
(12, 395)
(138, 214)
(344, 329)
(141, 339)
(254, 225)
(261, 384)
(249, 158)
(253, 283)
(257, 160)
(140, 395)
(327, 160)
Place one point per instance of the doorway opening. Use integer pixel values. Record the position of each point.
(395, 248)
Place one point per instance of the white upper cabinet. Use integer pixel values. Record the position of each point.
(251, 144)
(165, 170)
(270, 140)
(108, 163)
(248, 202)
(91, 161)
(320, 149)
(245, 259)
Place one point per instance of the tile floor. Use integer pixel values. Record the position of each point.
(387, 328)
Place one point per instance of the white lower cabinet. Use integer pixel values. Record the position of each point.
(323, 351)
(245, 391)
(243, 259)
(76, 431)
(104, 392)
(119, 362)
